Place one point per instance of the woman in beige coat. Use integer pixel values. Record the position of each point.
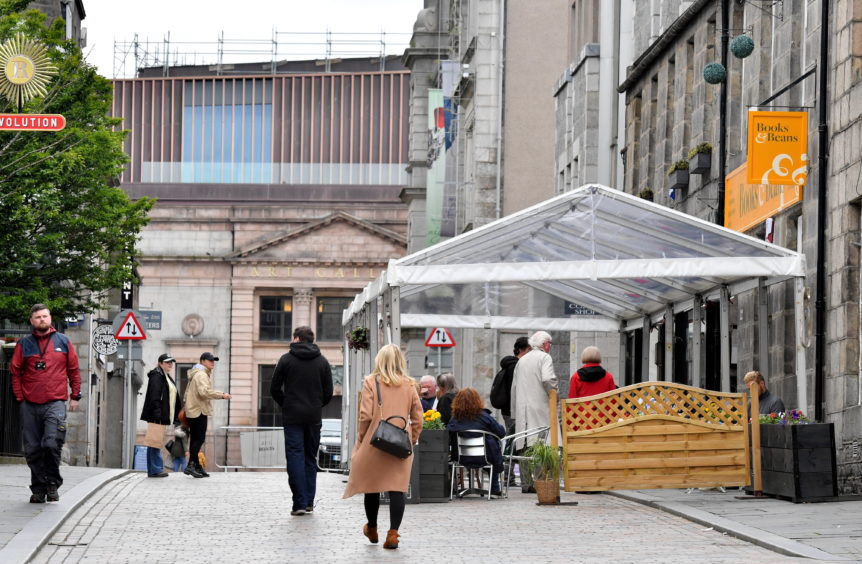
(373, 471)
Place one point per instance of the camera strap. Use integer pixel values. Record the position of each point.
(43, 350)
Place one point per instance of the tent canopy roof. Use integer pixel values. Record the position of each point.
(589, 259)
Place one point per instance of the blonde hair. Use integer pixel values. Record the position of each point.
(591, 355)
(390, 366)
(754, 375)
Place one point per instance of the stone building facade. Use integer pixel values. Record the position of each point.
(590, 114)
(484, 56)
(670, 109)
(277, 201)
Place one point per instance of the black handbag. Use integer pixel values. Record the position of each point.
(169, 445)
(388, 437)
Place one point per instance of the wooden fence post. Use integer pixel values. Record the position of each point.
(754, 391)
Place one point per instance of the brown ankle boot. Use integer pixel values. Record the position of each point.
(391, 539)
(370, 532)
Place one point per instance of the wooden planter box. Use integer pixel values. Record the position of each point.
(433, 451)
(678, 179)
(798, 461)
(700, 163)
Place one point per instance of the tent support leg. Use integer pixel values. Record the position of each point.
(696, 342)
(668, 343)
(801, 368)
(645, 350)
(763, 329)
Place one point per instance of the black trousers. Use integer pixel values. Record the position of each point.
(197, 435)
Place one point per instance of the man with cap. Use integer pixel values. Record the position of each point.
(302, 385)
(199, 393)
(161, 406)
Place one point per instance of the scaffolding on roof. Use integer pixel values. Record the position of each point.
(327, 47)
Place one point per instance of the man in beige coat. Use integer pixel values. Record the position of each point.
(533, 380)
(198, 406)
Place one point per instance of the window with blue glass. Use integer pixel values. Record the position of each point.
(227, 132)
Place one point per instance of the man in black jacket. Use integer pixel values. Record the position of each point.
(302, 385)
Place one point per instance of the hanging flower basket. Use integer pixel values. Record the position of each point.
(358, 338)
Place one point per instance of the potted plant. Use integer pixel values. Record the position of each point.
(433, 451)
(646, 194)
(545, 462)
(678, 173)
(357, 339)
(700, 159)
(798, 460)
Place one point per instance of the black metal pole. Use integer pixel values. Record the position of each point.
(722, 113)
(822, 177)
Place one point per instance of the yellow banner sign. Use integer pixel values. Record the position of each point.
(777, 148)
(747, 205)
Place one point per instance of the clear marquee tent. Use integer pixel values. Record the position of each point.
(593, 259)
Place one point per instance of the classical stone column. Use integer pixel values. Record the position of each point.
(302, 298)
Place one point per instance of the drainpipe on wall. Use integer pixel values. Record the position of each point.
(822, 176)
(722, 114)
(500, 67)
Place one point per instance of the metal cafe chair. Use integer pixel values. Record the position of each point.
(509, 453)
(473, 458)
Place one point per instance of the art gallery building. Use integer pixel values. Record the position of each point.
(277, 201)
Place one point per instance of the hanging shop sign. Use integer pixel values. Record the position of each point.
(747, 205)
(777, 148)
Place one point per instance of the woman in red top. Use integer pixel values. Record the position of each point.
(591, 378)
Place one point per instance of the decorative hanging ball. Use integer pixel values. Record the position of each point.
(714, 73)
(742, 46)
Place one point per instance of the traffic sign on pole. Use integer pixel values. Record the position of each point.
(130, 329)
(440, 337)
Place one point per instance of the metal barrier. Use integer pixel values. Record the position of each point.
(10, 426)
(246, 447)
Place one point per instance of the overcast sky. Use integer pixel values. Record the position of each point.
(202, 20)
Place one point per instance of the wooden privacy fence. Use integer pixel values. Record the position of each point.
(655, 435)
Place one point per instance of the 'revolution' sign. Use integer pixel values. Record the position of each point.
(32, 122)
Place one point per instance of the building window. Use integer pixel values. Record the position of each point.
(276, 318)
(227, 132)
(329, 318)
(268, 413)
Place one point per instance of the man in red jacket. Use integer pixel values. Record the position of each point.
(44, 366)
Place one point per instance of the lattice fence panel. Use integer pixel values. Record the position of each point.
(654, 398)
(655, 435)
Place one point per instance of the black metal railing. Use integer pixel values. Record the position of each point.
(10, 426)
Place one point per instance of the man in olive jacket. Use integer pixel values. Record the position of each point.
(302, 385)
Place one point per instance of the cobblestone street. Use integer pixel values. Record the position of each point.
(244, 517)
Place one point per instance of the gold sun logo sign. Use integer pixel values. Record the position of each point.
(26, 70)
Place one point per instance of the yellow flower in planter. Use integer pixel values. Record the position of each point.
(431, 420)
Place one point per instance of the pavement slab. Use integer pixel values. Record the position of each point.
(827, 530)
(242, 517)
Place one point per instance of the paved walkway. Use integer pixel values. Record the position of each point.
(119, 516)
(790, 528)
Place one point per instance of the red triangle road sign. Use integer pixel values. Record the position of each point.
(440, 337)
(130, 329)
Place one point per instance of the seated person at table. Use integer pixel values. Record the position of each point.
(469, 413)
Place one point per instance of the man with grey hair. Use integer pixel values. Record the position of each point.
(428, 392)
(531, 385)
